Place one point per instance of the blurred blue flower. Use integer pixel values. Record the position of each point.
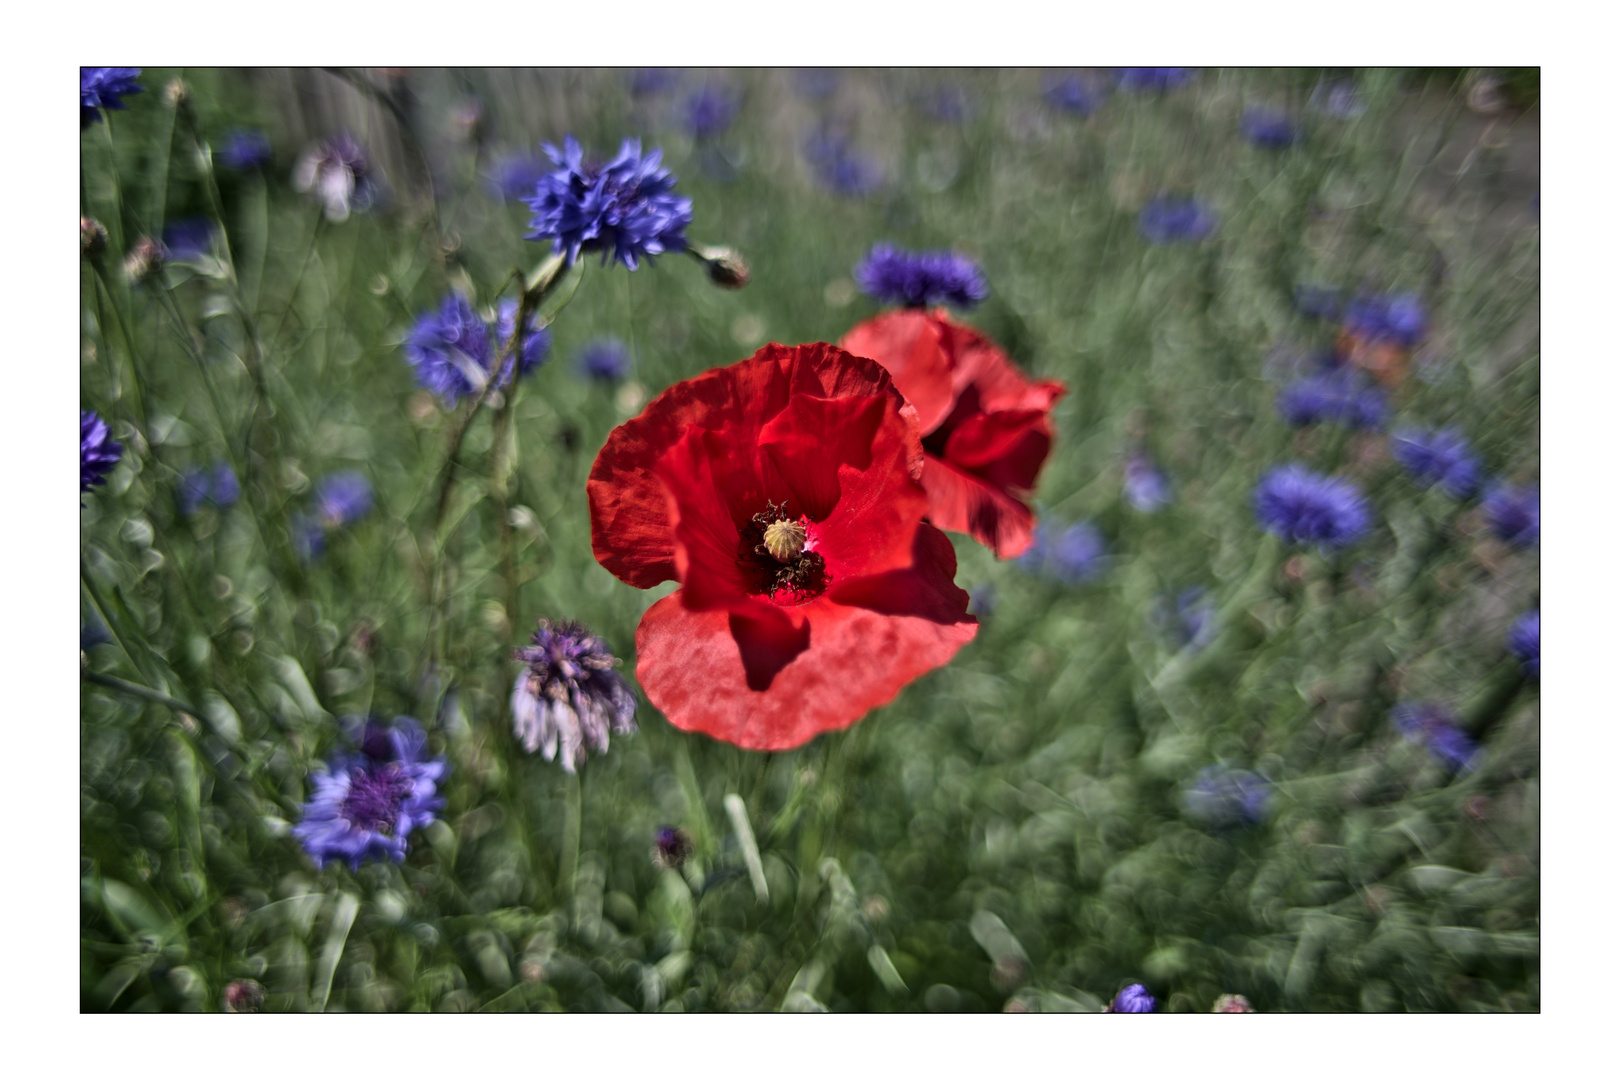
(1524, 641)
(947, 103)
(648, 81)
(709, 111)
(308, 536)
(1133, 999)
(627, 209)
(840, 168)
(1166, 78)
(516, 176)
(217, 486)
(1146, 487)
(1075, 555)
(98, 453)
(1191, 618)
(1308, 508)
(1340, 99)
(188, 238)
(342, 498)
(1225, 798)
(245, 149)
(365, 805)
(605, 360)
(339, 174)
(569, 694)
(1317, 301)
(452, 348)
(1168, 220)
(1340, 397)
(815, 83)
(920, 278)
(982, 598)
(1075, 93)
(101, 88)
(1398, 317)
(1435, 727)
(1269, 129)
(671, 847)
(1514, 513)
(536, 342)
(1442, 457)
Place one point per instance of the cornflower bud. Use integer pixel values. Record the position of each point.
(92, 238)
(143, 260)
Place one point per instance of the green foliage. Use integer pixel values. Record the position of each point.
(1009, 833)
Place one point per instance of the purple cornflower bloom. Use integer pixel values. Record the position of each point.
(646, 81)
(1166, 78)
(710, 111)
(671, 847)
(1398, 317)
(1524, 641)
(1308, 508)
(516, 176)
(1168, 220)
(1435, 727)
(245, 149)
(217, 486)
(920, 278)
(98, 453)
(1225, 798)
(1075, 555)
(569, 694)
(946, 103)
(365, 805)
(188, 238)
(1514, 513)
(1269, 129)
(101, 88)
(1340, 397)
(627, 209)
(605, 360)
(1316, 301)
(1191, 618)
(1133, 999)
(342, 498)
(339, 174)
(452, 348)
(1146, 487)
(1442, 457)
(1075, 94)
(840, 168)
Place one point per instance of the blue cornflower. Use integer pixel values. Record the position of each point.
(1075, 555)
(101, 88)
(1146, 487)
(339, 174)
(98, 453)
(671, 847)
(1133, 999)
(1269, 129)
(1317, 301)
(605, 360)
(1075, 93)
(245, 149)
(1514, 513)
(647, 81)
(840, 168)
(569, 694)
(1524, 641)
(627, 209)
(1308, 508)
(217, 486)
(1166, 78)
(342, 498)
(1442, 457)
(947, 103)
(1191, 618)
(365, 805)
(1340, 397)
(188, 238)
(1224, 798)
(709, 111)
(452, 348)
(1167, 220)
(920, 278)
(1398, 317)
(516, 176)
(1435, 727)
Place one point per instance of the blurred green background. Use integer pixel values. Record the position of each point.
(1011, 832)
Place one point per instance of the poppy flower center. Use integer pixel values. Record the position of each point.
(777, 552)
(375, 795)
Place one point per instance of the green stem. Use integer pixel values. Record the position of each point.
(568, 873)
(112, 682)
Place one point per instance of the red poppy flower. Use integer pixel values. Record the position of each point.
(781, 493)
(984, 423)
